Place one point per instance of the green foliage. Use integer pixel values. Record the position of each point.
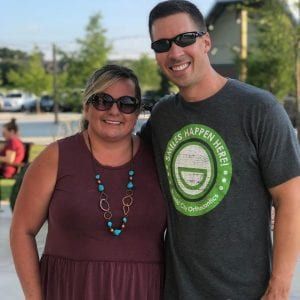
(31, 76)
(10, 60)
(35, 151)
(92, 54)
(147, 71)
(6, 186)
(271, 61)
(71, 98)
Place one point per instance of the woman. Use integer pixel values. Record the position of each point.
(99, 192)
(13, 150)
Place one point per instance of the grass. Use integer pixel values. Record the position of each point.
(35, 151)
(6, 184)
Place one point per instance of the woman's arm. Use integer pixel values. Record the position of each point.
(9, 157)
(29, 215)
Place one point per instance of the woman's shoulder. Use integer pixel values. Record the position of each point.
(70, 141)
(57, 148)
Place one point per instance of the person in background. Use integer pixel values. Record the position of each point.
(12, 152)
(225, 151)
(99, 192)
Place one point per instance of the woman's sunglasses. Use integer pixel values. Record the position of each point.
(183, 40)
(125, 104)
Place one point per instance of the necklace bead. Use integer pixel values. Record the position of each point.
(130, 185)
(100, 187)
(117, 232)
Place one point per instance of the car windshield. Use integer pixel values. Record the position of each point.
(14, 95)
(46, 98)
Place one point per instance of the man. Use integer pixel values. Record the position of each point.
(225, 152)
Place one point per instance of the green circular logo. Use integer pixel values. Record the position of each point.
(199, 169)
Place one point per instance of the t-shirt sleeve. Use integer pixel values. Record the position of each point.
(13, 145)
(278, 147)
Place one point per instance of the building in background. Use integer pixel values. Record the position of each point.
(233, 35)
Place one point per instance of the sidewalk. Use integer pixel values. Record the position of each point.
(10, 288)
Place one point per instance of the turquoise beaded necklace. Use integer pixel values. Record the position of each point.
(127, 200)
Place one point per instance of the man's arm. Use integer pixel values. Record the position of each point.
(286, 246)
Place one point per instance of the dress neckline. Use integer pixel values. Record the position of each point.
(123, 166)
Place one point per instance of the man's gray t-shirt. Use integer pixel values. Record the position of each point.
(216, 160)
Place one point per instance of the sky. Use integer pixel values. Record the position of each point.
(24, 24)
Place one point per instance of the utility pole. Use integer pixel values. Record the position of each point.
(54, 86)
(243, 43)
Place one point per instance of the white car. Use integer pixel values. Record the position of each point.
(18, 101)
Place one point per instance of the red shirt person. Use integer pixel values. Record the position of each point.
(13, 150)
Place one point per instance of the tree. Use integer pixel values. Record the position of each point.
(32, 76)
(10, 60)
(147, 71)
(93, 53)
(271, 60)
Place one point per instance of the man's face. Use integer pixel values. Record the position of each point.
(184, 66)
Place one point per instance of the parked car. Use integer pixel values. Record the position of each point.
(47, 103)
(1, 101)
(18, 101)
(149, 99)
(31, 106)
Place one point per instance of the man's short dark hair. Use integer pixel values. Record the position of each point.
(172, 7)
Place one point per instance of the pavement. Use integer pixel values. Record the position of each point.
(10, 288)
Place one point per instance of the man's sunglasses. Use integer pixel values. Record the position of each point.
(103, 101)
(183, 40)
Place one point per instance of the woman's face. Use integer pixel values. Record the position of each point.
(6, 133)
(112, 125)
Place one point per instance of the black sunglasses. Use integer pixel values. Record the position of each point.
(183, 40)
(103, 101)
